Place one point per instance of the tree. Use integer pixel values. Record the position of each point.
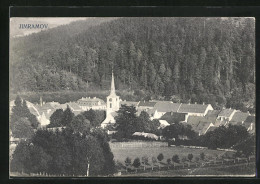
(80, 124)
(136, 162)
(202, 156)
(67, 117)
(160, 157)
(176, 129)
(17, 110)
(168, 162)
(247, 146)
(190, 156)
(175, 158)
(56, 118)
(22, 129)
(60, 152)
(128, 161)
(95, 117)
(20, 110)
(126, 121)
(154, 162)
(144, 161)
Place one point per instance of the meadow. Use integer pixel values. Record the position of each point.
(227, 171)
(120, 154)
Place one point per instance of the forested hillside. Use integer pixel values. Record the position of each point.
(208, 60)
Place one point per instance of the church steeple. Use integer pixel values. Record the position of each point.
(113, 91)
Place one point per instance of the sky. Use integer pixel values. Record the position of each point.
(51, 21)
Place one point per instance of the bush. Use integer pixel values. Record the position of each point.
(128, 161)
(190, 156)
(136, 162)
(160, 157)
(176, 159)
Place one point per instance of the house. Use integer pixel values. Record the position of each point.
(195, 109)
(128, 103)
(163, 124)
(91, 103)
(145, 105)
(75, 108)
(162, 107)
(199, 124)
(249, 123)
(226, 114)
(239, 117)
(172, 117)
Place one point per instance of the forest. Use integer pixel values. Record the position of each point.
(199, 60)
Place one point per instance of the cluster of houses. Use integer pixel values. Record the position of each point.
(202, 117)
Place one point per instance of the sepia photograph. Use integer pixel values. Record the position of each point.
(132, 97)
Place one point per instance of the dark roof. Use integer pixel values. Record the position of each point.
(212, 113)
(162, 106)
(146, 104)
(199, 124)
(172, 117)
(192, 108)
(226, 112)
(128, 103)
(239, 116)
(250, 119)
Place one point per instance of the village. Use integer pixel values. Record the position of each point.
(202, 117)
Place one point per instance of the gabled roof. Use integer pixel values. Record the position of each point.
(212, 113)
(212, 128)
(146, 104)
(239, 116)
(226, 112)
(199, 124)
(74, 106)
(88, 99)
(167, 106)
(128, 103)
(163, 123)
(192, 108)
(250, 119)
(173, 117)
(219, 122)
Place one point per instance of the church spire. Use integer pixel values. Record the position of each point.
(113, 91)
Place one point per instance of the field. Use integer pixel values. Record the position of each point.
(120, 154)
(227, 171)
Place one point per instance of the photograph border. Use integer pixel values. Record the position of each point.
(144, 12)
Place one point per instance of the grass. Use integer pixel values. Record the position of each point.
(228, 171)
(120, 154)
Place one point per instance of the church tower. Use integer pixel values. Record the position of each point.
(113, 104)
(112, 99)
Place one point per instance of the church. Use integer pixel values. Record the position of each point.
(113, 105)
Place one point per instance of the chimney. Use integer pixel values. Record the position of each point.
(195, 102)
(203, 103)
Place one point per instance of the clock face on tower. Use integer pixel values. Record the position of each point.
(110, 99)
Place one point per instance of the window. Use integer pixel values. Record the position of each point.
(110, 105)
